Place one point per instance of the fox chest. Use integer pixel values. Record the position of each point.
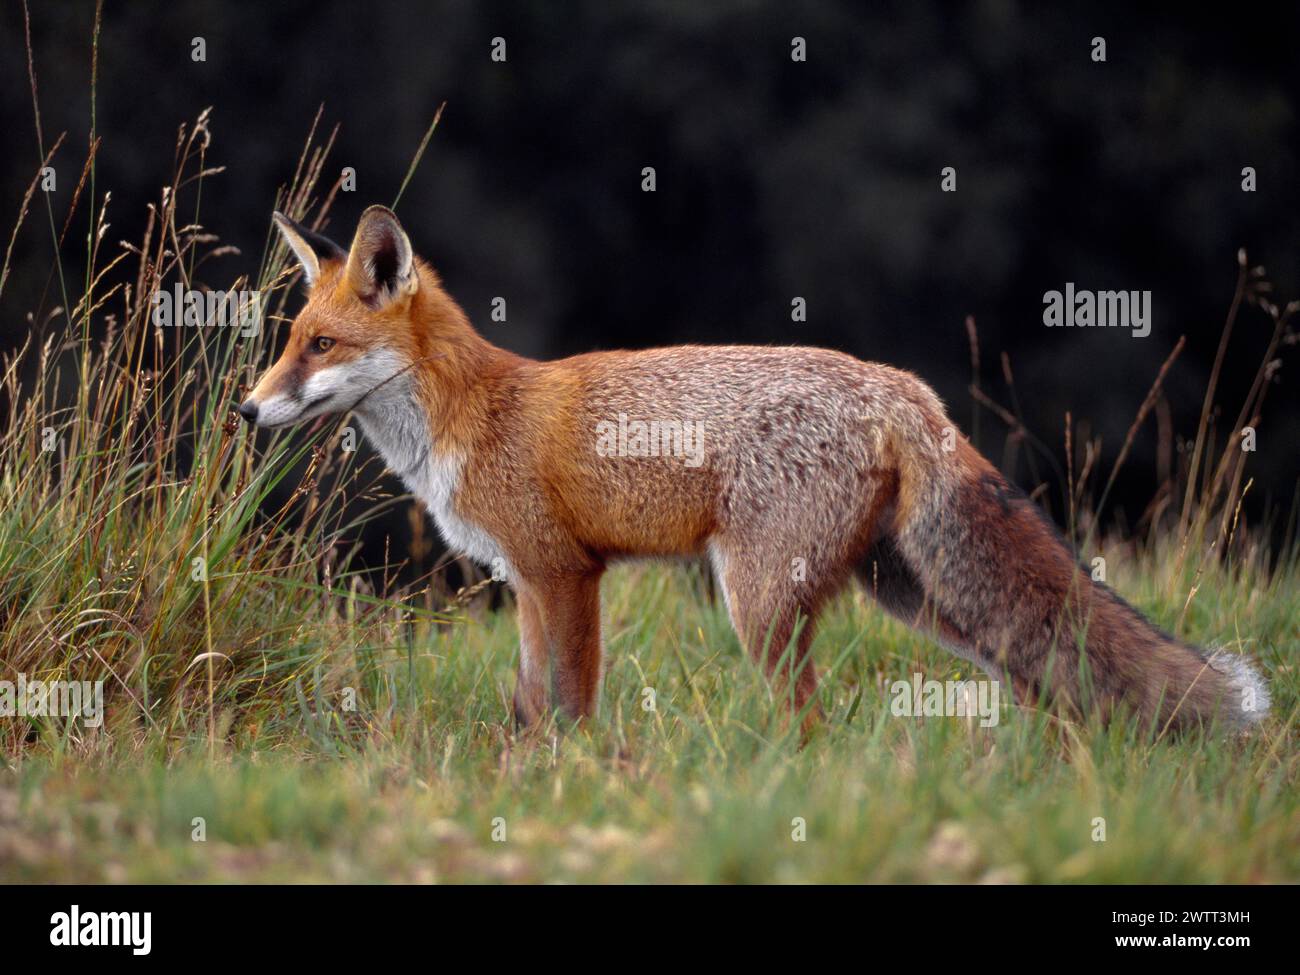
(400, 431)
(436, 484)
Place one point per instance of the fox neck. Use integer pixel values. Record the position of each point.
(396, 423)
(435, 404)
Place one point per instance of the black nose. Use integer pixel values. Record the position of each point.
(248, 410)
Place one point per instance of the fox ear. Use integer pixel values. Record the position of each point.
(308, 246)
(381, 265)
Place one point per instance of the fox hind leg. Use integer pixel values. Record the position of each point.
(774, 617)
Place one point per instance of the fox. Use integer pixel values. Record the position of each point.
(806, 469)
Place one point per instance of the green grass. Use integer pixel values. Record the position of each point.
(704, 788)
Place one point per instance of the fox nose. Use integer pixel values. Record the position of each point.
(248, 410)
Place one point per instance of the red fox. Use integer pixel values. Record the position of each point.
(792, 469)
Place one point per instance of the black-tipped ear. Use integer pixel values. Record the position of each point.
(381, 264)
(311, 248)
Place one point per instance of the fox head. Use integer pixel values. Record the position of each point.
(360, 328)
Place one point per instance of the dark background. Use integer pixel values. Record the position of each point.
(775, 179)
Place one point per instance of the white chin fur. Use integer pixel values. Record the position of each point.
(282, 411)
(331, 390)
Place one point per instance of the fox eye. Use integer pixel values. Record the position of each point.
(323, 343)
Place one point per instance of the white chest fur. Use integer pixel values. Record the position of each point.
(436, 486)
(396, 424)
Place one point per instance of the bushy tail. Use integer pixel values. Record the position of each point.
(1000, 586)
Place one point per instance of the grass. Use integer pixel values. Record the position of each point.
(314, 721)
(707, 787)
